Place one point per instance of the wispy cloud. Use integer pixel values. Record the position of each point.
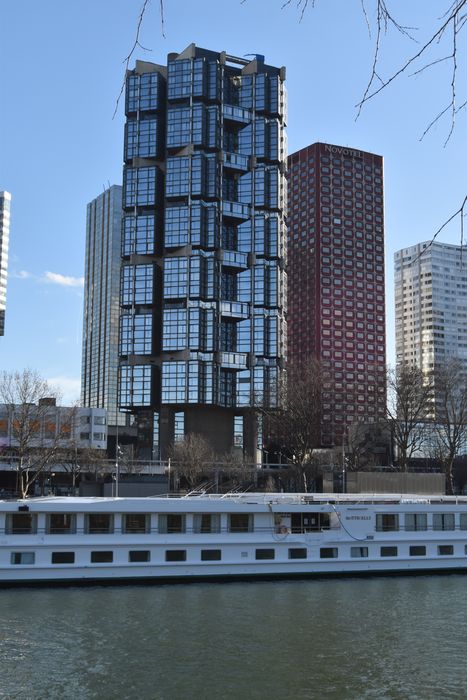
(64, 280)
(22, 275)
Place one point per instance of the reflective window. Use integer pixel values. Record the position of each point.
(139, 187)
(443, 521)
(137, 285)
(415, 521)
(141, 138)
(135, 334)
(22, 557)
(135, 385)
(179, 426)
(175, 278)
(174, 376)
(142, 92)
(174, 331)
(138, 235)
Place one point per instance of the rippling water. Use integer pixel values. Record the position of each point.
(349, 638)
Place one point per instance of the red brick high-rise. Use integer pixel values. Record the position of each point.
(336, 308)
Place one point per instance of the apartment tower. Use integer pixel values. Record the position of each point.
(336, 305)
(202, 329)
(5, 201)
(430, 281)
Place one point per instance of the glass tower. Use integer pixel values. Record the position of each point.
(101, 304)
(5, 200)
(202, 329)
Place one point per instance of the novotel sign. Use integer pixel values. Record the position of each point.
(343, 151)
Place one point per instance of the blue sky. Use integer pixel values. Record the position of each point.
(62, 70)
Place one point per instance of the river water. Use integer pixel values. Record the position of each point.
(348, 638)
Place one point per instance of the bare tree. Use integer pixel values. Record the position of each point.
(450, 428)
(37, 429)
(296, 424)
(410, 405)
(192, 458)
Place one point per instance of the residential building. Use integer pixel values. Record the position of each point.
(430, 284)
(202, 332)
(336, 303)
(99, 371)
(5, 202)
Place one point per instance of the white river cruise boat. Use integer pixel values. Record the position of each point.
(79, 540)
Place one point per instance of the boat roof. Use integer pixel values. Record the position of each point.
(241, 498)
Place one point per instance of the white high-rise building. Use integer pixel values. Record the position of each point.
(431, 304)
(5, 200)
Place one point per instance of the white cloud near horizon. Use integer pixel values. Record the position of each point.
(64, 280)
(69, 388)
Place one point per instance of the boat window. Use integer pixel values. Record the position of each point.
(387, 521)
(63, 557)
(298, 553)
(417, 550)
(463, 521)
(443, 521)
(206, 522)
(358, 552)
(264, 554)
(139, 555)
(23, 557)
(445, 549)
(175, 555)
(21, 523)
(102, 557)
(171, 523)
(328, 553)
(241, 522)
(415, 521)
(388, 551)
(310, 522)
(61, 523)
(97, 523)
(211, 555)
(136, 523)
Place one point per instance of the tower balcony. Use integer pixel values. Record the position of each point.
(235, 309)
(234, 360)
(238, 115)
(235, 260)
(236, 210)
(235, 161)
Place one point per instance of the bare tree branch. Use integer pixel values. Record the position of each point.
(137, 44)
(383, 19)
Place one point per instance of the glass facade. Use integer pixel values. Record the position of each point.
(203, 285)
(100, 354)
